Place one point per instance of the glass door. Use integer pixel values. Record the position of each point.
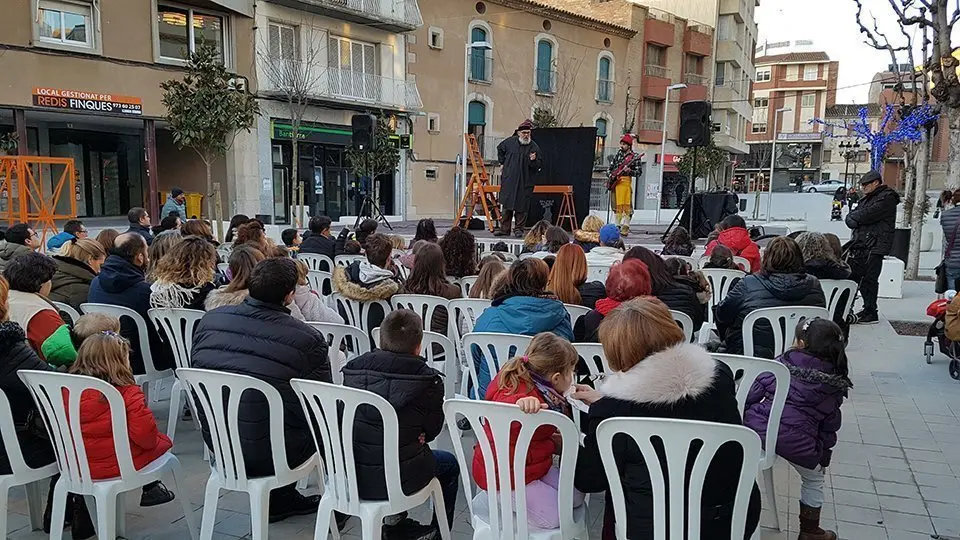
(281, 196)
(104, 188)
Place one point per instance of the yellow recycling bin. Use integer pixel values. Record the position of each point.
(194, 204)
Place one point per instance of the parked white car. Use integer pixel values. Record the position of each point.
(826, 186)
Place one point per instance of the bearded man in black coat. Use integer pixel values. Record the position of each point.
(520, 158)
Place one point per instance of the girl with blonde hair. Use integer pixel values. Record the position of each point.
(77, 264)
(184, 277)
(588, 237)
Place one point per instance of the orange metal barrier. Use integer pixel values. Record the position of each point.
(31, 188)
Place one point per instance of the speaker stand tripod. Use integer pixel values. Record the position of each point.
(368, 207)
(689, 199)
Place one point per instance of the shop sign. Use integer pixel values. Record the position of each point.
(90, 102)
(671, 159)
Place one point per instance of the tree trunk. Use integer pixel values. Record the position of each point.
(208, 162)
(918, 217)
(953, 161)
(297, 218)
(909, 176)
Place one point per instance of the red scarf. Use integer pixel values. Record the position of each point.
(606, 305)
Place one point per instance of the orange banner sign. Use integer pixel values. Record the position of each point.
(92, 102)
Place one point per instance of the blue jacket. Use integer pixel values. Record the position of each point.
(120, 283)
(173, 206)
(58, 240)
(524, 315)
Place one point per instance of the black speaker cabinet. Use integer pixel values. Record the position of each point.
(694, 124)
(364, 132)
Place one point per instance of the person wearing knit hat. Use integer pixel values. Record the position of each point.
(176, 203)
(872, 223)
(620, 183)
(520, 160)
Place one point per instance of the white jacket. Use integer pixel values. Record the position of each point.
(604, 256)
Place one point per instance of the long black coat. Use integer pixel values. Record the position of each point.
(516, 187)
(15, 355)
(681, 297)
(873, 222)
(416, 392)
(263, 341)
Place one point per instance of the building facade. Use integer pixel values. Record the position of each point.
(845, 157)
(734, 73)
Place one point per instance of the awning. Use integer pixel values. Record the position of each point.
(243, 7)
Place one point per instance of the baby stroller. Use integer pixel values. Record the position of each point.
(836, 211)
(937, 332)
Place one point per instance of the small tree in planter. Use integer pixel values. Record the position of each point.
(371, 164)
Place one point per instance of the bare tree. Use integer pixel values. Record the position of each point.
(293, 64)
(563, 107)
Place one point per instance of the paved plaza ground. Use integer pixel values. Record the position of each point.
(894, 476)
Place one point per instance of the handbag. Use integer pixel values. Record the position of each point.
(941, 285)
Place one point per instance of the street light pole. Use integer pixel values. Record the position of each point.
(773, 160)
(484, 45)
(663, 146)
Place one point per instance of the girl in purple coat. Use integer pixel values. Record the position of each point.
(811, 416)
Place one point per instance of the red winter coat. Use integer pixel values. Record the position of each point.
(739, 242)
(146, 441)
(540, 454)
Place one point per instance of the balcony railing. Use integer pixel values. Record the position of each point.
(652, 70)
(545, 81)
(406, 12)
(651, 125)
(364, 87)
(481, 66)
(695, 79)
(605, 91)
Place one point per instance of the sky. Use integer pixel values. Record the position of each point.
(832, 26)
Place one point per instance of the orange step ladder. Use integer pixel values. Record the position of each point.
(479, 191)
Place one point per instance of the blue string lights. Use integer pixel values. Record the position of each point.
(910, 129)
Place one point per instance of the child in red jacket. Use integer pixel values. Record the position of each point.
(106, 356)
(537, 380)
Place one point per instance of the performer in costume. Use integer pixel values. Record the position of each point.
(520, 158)
(620, 184)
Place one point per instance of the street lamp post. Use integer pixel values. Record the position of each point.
(773, 160)
(663, 146)
(849, 153)
(486, 46)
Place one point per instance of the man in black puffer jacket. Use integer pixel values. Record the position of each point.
(873, 223)
(781, 282)
(259, 338)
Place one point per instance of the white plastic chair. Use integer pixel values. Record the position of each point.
(228, 468)
(692, 261)
(783, 321)
(594, 357)
(576, 312)
(598, 273)
(840, 294)
(676, 438)
(749, 369)
(316, 261)
(48, 388)
(223, 267)
(495, 349)
(422, 304)
(21, 474)
(502, 514)
(347, 260)
(151, 373)
(444, 362)
(353, 341)
(467, 283)
(68, 309)
(462, 316)
(178, 326)
(685, 323)
(328, 404)
(321, 282)
(721, 281)
(357, 312)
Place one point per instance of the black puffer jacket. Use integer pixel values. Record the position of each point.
(873, 222)
(756, 291)
(827, 269)
(683, 298)
(263, 341)
(590, 292)
(416, 392)
(15, 355)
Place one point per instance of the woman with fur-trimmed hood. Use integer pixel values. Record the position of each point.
(655, 374)
(588, 236)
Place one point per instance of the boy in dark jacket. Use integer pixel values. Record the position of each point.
(321, 241)
(397, 373)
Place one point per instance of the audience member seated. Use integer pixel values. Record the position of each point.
(169, 223)
(460, 252)
(734, 235)
(819, 259)
(780, 282)
(78, 263)
(588, 236)
(243, 259)
(626, 281)
(140, 223)
(409, 259)
(106, 238)
(162, 244)
(367, 228)
(19, 239)
(307, 304)
(352, 247)
(235, 223)
(398, 373)
(568, 279)
(321, 241)
(610, 249)
(678, 243)
(291, 239)
(184, 277)
(121, 282)
(678, 295)
(251, 233)
(657, 375)
(682, 271)
(721, 258)
(492, 271)
(426, 231)
(535, 238)
(522, 306)
(72, 229)
(429, 277)
(201, 228)
(259, 338)
(30, 278)
(555, 239)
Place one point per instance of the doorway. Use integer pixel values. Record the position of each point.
(109, 170)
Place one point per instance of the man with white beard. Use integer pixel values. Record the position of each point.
(520, 158)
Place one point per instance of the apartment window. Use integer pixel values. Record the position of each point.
(827, 156)
(605, 79)
(66, 23)
(694, 64)
(353, 66)
(824, 176)
(601, 125)
(763, 75)
(810, 72)
(546, 76)
(721, 72)
(433, 123)
(477, 121)
(181, 30)
(725, 28)
(436, 38)
(656, 55)
(480, 60)
(283, 41)
(760, 103)
(653, 110)
(808, 101)
(759, 128)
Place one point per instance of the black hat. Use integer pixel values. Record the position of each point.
(870, 177)
(176, 192)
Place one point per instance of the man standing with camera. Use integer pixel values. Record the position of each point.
(873, 222)
(520, 158)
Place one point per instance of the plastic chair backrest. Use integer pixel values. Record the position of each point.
(467, 283)
(598, 273)
(839, 294)
(316, 261)
(351, 340)
(744, 264)
(746, 369)
(783, 321)
(223, 267)
(498, 421)
(320, 281)
(445, 362)
(358, 313)
(496, 350)
(692, 261)
(218, 394)
(178, 325)
(576, 312)
(423, 305)
(334, 408)
(347, 260)
(721, 281)
(675, 438)
(8, 433)
(463, 315)
(594, 357)
(61, 414)
(143, 337)
(685, 323)
(68, 309)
